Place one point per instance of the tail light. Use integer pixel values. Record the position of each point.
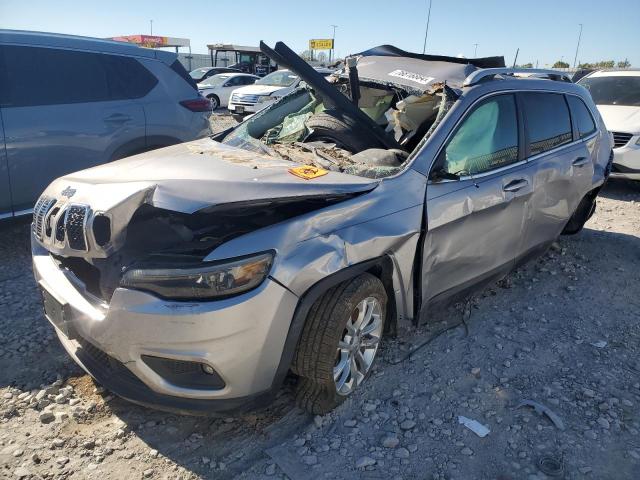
(199, 104)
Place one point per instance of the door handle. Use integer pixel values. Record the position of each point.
(117, 118)
(515, 185)
(580, 162)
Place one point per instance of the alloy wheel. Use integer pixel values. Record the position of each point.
(358, 346)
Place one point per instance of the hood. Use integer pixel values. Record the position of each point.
(619, 118)
(201, 177)
(191, 176)
(259, 89)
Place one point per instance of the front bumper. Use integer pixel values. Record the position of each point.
(247, 108)
(626, 161)
(241, 338)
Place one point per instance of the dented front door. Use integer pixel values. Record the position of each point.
(475, 208)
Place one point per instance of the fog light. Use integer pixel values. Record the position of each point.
(208, 369)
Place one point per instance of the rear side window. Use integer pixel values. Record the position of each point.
(581, 116)
(128, 78)
(37, 76)
(486, 139)
(182, 72)
(46, 76)
(548, 121)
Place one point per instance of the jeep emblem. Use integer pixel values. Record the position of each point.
(68, 192)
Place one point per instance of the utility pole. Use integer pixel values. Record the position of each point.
(426, 33)
(475, 51)
(151, 23)
(516, 57)
(333, 43)
(577, 46)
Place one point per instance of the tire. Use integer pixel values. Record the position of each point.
(331, 126)
(331, 320)
(215, 101)
(585, 210)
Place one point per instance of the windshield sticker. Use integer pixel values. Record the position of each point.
(414, 77)
(308, 172)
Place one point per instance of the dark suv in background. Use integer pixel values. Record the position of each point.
(68, 103)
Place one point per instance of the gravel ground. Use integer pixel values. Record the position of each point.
(562, 331)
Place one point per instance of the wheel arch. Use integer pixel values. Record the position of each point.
(381, 267)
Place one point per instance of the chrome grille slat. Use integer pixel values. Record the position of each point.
(620, 139)
(41, 209)
(244, 98)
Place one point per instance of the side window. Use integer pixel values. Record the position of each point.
(581, 116)
(48, 76)
(548, 122)
(127, 77)
(233, 82)
(248, 80)
(486, 139)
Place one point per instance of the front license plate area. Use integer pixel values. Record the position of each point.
(239, 109)
(58, 313)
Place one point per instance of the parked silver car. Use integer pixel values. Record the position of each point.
(194, 277)
(69, 103)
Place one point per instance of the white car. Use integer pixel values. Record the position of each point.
(249, 100)
(218, 88)
(617, 96)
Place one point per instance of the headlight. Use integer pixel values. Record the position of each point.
(222, 279)
(265, 98)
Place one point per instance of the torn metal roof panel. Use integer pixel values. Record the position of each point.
(390, 65)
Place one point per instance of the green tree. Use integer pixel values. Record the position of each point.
(560, 64)
(624, 64)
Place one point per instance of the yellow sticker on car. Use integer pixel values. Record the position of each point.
(308, 172)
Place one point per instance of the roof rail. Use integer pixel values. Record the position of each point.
(479, 75)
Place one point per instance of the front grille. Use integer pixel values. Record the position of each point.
(74, 225)
(244, 98)
(620, 139)
(39, 213)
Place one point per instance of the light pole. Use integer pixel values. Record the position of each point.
(475, 51)
(577, 46)
(151, 23)
(426, 32)
(333, 41)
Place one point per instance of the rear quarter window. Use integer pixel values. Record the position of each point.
(581, 116)
(547, 120)
(182, 73)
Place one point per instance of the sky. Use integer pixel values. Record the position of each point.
(543, 30)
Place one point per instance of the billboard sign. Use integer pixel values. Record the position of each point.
(321, 44)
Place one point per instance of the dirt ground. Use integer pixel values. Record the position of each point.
(563, 332)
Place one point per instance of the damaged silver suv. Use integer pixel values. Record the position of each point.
(195, 277)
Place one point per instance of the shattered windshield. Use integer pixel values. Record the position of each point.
(280, 78)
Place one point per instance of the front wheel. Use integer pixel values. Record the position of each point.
(215, 101)
(339, 342)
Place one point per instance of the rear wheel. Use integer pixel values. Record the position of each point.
(585, 210)
(339, 342)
